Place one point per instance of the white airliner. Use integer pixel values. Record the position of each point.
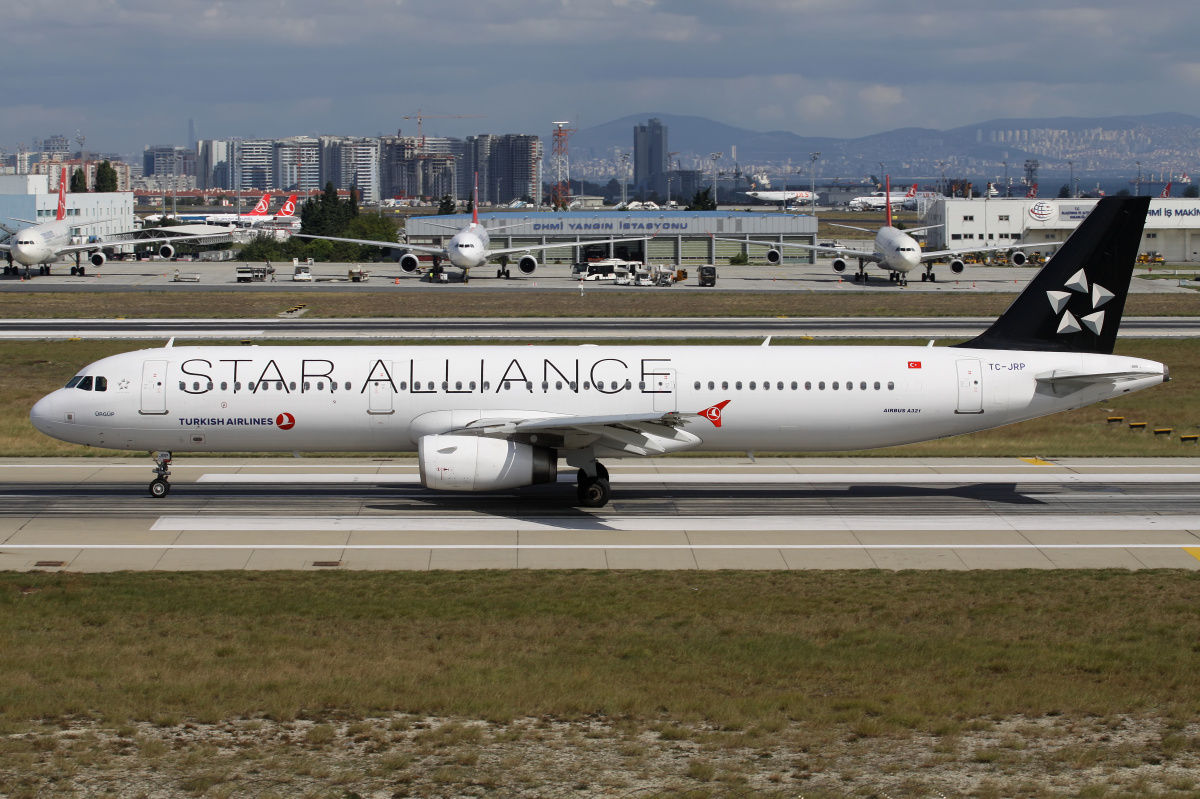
(469, 247)
(493, 418)
(895, 251)
(881, 200)
(43, 244)
(780, 196)
(259, 215)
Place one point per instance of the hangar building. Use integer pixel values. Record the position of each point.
(1172, 224)
(94, 213)
(679, 237)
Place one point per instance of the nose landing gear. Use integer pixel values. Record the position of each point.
(159, 486)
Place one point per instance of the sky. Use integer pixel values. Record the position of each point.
(128, 73)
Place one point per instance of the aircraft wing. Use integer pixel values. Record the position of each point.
(99, 245)
(930, 255)
(391, 245)
(583, 243)
(5, 247)
(638, 434)
(866, 256)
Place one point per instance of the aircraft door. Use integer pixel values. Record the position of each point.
(154, 387)
(380, 394)
(970, 386)
(663, 384)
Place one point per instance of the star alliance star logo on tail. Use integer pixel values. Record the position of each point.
(1078, 284)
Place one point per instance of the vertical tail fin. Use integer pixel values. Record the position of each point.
(289, 207)
(62, 195)
(912, 191)
(475, 201)
(1029, 195)
(260, 208)
(1166, 192)
(887, 197)
(1074, 304)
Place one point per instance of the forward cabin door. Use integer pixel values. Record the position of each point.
(664, 387)
(380, 394)
(970, 386)
(154, 387)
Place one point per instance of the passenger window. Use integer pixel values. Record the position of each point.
(779, 386)
(586, 385)
(807, 385)
(85, 384)
(738, 385)
(347, 385)
(545, 386)
(458, 385)
(486, 385)
(863, 385)
(224, 386)
(102, 384)
(291, 385)
(876, 385)
(237, 386)
(835, 385)
(74, 381)
(264, 385)
(753, 385)
(472, 384)
(428, 386)
(558, 385)
(628, 385)
(891, 386)
(445, 385)
(711, 385)
(320, 385)
(821, 385)
(574, 386)
(182, 385)
(528, 385)
(697, 386)
(849, 385)
(507, 385)
(307, 387)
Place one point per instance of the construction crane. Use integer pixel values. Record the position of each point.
(420, 116)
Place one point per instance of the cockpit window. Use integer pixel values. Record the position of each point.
(85, 384)
(101, 384)
(74, 381)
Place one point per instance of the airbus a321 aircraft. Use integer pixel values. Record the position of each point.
(469, 248)
(492, 418)
(895, 251)
(780, 196)
(42, 245)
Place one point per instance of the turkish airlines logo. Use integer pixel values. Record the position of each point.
(261, 207)
(288, 209)
(1041, 210)
(285, 421)
(914, 364)
(713, 414)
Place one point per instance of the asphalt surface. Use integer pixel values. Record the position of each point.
(96, 515)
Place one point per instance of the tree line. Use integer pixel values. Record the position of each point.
(327, 215)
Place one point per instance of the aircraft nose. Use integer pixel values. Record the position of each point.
(42, 413)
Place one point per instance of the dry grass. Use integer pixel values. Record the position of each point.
(31, 371)
(446, 302)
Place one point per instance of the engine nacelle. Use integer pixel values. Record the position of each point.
(1018, 258)
(166, 251)
(409, 262)
(97, 258)
(956, 266)
(473, 463)
(839, 265)
(774, 256)
(527, 264)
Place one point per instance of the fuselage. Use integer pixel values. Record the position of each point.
(779, 196)
(386, 398)
(898, 251)
(40, 244)
(468, 248)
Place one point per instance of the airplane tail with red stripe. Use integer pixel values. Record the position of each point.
(1029, 195)
(887, 197)
(1166, 192)
(912, 192)
(260, 208)
(62, 195)
(475, 202)
(289, 207)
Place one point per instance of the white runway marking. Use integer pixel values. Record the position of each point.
(734, 524)
(5, 547)
(1049, 478)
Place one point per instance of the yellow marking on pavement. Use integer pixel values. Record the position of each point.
(1037, 462)
(1193, 551)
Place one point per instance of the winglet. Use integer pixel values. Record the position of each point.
(713, 413)
(766, 342)
(475, 201)
(62, 195)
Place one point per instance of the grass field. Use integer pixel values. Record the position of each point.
(428, 683)
(31, 371)
(532, 303)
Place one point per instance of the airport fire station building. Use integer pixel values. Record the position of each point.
(1172, 224)
(673, 237)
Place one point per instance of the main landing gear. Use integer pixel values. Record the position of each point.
(861, 276)
(929, 275)
(503, 272)
(593, 489)
(159, 486)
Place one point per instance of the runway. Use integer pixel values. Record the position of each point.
(92, 515)
(368, 330)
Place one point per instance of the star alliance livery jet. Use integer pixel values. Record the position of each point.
(469, 247)
(490, 418)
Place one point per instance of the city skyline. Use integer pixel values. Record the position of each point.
(264, 69)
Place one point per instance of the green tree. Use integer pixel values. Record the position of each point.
(1064, 192)
(106, 177)
(1192, 191)
(446, 205)
(372, 228)
(78, 181)
(471, 205)
(703, 201)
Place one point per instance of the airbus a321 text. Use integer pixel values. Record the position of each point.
(494, 418)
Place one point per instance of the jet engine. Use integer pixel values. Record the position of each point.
(839, 265)
(166, 251)
(773, 256)
(1018, 258)
(97, 258)
(473, 463)
(527, 264)
(956, 266)
(409, 262)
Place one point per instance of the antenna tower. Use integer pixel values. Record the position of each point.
(560, 195)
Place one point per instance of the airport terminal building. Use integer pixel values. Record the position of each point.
(678, 237)
(92, 214)
(1172, 224)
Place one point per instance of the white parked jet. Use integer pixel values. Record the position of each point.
(781, 196)
(470, 247)
(881, 200)
(895, 251)
(43, 244)
(488, 418)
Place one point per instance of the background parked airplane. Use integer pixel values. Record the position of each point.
(881, 200)
(895, 251)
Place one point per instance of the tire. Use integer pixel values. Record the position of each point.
(924, 277)
(932, 277)
(602, 470)
(499, 273)
(159, 488)
(594, 493)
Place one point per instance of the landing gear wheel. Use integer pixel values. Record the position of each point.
(602, 470)
(74, 270)
(499, 273)
(932, 277)
(507, 274)
(857, 277)
(82, 271)
(594, 493)
(924, 277)
(159, 488)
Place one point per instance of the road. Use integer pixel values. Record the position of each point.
(96, 515)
